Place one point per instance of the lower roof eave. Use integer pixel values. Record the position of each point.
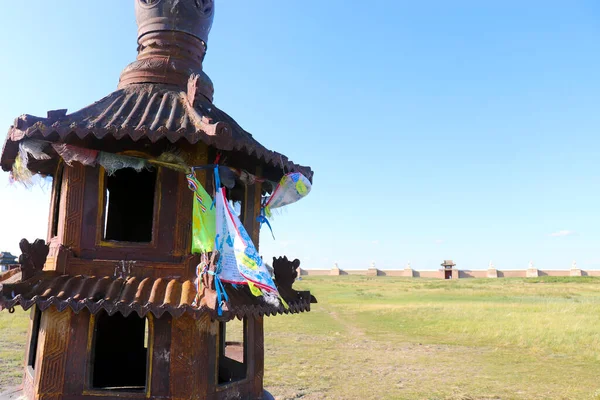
(93, 308)
(139, 295)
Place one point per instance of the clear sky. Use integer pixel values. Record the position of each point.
(465, 130)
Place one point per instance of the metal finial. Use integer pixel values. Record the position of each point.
(194, 17)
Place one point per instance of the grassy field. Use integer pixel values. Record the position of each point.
(386, 338)
(13, 332)
(395, 338)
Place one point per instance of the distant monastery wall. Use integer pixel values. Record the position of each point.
(455, 273)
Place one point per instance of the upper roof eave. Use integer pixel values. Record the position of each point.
(149, 112)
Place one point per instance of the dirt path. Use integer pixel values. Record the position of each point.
(353, 330)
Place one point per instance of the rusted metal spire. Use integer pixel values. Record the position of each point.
(172, 37)
(194, 17)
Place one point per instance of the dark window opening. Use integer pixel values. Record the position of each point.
(35, 334)
(120, 352)
(232, 351)
(129, 205)
(57, 197)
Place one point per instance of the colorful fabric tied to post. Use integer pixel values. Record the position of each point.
(203, 218)
(292, 187)
(239, 262)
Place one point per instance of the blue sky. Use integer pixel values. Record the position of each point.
(464, 130)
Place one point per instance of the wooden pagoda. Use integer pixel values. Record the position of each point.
(116, 310)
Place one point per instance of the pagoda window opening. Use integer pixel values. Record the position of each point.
(120, 352)
(232, 359)
(129, 205)
(35, 334)
(57, 197)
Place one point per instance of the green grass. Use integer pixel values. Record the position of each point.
(398, 338)
(13, 332)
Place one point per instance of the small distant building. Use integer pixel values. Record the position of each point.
(448, 264)
(7, 261)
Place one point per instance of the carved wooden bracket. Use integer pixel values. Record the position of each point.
(33, 257)
(285, 272)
